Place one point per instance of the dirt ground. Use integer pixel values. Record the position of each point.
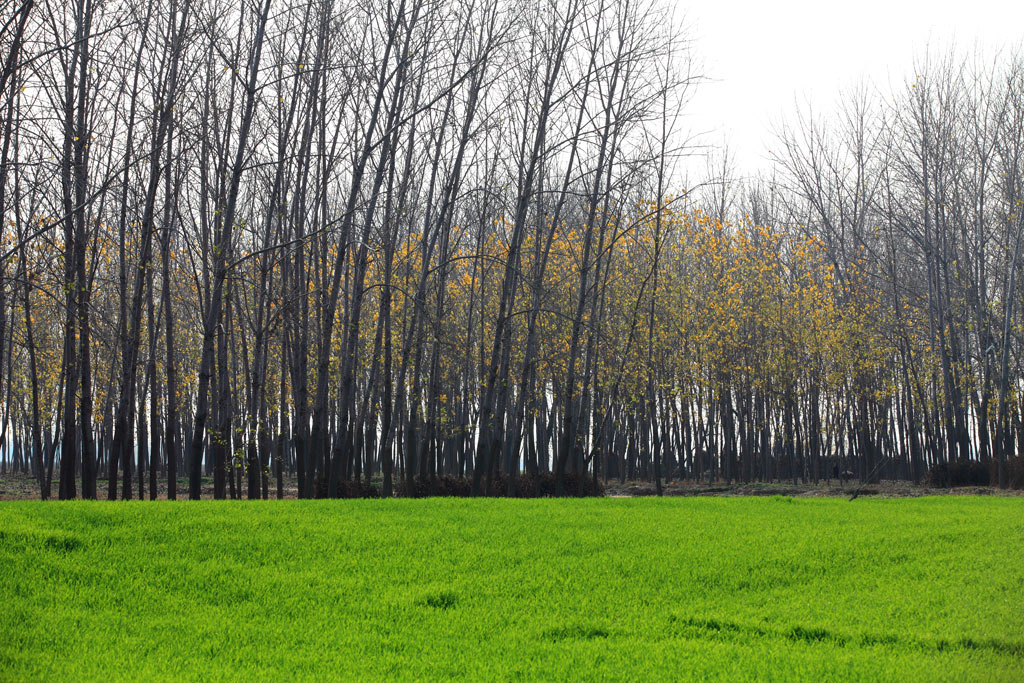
(24, 487)
(885, 489)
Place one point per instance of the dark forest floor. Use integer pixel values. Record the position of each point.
(24, 487)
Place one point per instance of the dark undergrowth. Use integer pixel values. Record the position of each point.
(541, 485)
(975, 473)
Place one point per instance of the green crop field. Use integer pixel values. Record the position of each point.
(633, 589)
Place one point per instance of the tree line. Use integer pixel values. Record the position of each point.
(393, 242)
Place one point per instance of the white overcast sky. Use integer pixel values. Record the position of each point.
(762, 58)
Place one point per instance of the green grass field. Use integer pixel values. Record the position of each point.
(634, 589)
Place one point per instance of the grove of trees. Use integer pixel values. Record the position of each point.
(406, 239)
